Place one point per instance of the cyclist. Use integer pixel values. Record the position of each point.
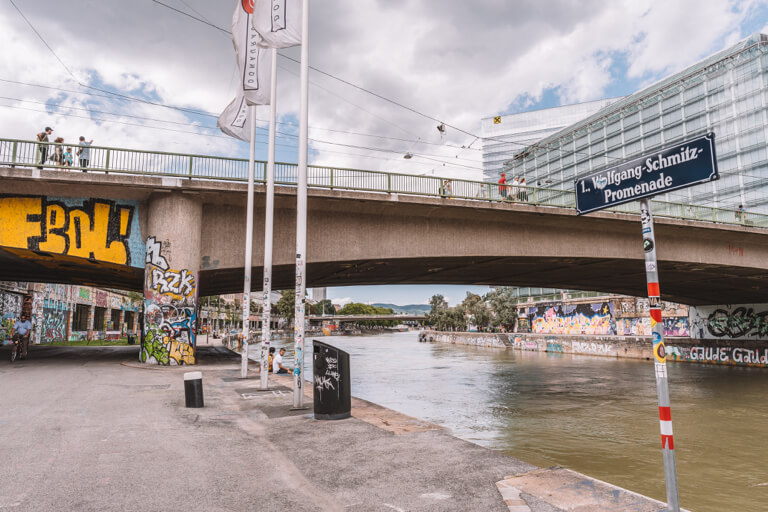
(20, 333)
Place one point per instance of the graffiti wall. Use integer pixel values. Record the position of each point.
(10, 310)
(739, 356)
(95, 229)
(737, 322)
(169, 310)
(55, 322)
(641, 326)
(559, 318)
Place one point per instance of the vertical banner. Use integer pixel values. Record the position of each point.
(278, 22)
(253, 60)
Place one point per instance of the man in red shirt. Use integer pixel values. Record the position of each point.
(503, 186)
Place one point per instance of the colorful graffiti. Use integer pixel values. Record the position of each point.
(572, 318)
(54, 325)
(740, 321)
(96, 229)
(742, 356)
(169, 311)
(673, 326)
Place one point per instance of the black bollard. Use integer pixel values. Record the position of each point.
(193, 389)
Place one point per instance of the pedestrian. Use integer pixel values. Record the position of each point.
(515, 189)
(68, 159)
(42, 149)
(271, 358)
(84, 153)
(740, 216)
(277, 363)
(58, 151)
(447, 189)
(503, 186)
(523, 194)
(20, 333)
(482, 194)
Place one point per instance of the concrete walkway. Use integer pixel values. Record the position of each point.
(88, 428)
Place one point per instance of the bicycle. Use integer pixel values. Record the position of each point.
(18, 347)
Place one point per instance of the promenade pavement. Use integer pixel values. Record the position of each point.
(91, 429)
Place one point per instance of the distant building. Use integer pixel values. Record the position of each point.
(507, 135)
(726, 94)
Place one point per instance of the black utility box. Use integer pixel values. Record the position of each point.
(332, 391)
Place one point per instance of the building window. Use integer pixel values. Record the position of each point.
(115, 320)
(80, 321)
(98, 318)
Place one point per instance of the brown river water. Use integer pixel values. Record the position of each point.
(594, 415)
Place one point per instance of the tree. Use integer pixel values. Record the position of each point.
(476, 311)
(287, 304)
(504, 306)
(325, 307)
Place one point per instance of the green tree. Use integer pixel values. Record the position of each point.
(325, 307)
(286, 306)
(503, 304)
(476, 311)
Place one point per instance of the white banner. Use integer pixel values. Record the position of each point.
(253, 60)
(234, 120)
(278, 22)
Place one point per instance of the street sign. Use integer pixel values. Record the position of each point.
(679, 166)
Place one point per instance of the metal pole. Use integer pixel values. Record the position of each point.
(248, 245)
(269, 215)
(659, 355)
(301, 214)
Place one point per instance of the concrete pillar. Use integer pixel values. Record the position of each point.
(171, 269)
(91, 316)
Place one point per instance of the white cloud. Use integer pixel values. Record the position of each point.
(458, 63)
(342, 301)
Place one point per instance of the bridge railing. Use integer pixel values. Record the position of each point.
(23, 153)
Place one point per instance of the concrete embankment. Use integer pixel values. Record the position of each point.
(725, 352)
(380, 459)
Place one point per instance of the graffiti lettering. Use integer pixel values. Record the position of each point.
(96, 229)
(740, 322)
(54, 325)
(169, 310)
(572, 319)
(719, 355)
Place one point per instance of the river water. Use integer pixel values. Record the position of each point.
(594, 415)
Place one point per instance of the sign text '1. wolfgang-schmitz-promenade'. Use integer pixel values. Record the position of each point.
(674, 167)
(683, 165)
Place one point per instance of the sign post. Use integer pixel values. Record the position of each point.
(686, 164)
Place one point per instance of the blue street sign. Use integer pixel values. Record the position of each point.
(683, 165)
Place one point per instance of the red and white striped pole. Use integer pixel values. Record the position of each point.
(659, 356)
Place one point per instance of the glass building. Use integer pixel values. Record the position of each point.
(726, 93)
(505, 136)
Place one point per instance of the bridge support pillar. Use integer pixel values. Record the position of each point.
(170, 278)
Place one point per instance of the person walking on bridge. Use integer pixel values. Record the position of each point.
(503, 186)
(84, 153)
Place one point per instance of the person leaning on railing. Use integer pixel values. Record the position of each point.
(84, 152)
(42, 149)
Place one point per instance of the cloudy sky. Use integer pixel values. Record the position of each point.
(452, 60)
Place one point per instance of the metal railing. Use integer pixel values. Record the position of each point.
(23, 153)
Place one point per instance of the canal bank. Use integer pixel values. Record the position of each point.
(112, 434)
(682, 349)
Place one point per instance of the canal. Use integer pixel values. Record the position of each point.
(594, 415)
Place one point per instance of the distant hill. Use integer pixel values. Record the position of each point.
(410, 309)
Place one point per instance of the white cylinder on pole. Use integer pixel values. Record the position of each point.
(248, 245)
(301, 214)
(269, 216)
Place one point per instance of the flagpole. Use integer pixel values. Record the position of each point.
(248, 245)
(301, 215)
(269, 215)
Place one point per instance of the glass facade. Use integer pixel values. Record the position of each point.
(505, 136)
(726, 93)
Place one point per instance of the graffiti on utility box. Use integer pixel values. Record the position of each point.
(95, 229)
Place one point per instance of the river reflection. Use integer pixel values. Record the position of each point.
(594, 415)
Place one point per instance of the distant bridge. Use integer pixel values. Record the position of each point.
(362, 318)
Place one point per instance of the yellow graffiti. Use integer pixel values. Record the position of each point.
(659, 352)
(97, 230)
(181, 352)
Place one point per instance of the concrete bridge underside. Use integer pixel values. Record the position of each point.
(369, 238)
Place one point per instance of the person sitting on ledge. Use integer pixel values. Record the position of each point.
(277, 363)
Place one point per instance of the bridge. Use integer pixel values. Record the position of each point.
(363, 318)
(172, 225)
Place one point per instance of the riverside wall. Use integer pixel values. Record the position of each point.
(684, 349)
